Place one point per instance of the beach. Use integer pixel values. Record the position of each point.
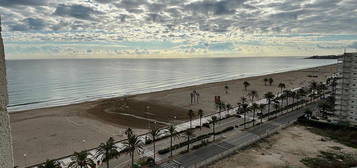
(49, 133)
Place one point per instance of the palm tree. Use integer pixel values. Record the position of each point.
(323, 106)
(154, 132)
(253, 94)
(269, 96)
(270, 81)
(301, 93)
(246, 84)
(228, 106)
(243, 99)
(226, 88)
(293, 95)
(188, 134)
(321, 89)
(313, 86)
(261, 108)
(281, 86)
(265, 81)
(191, 114)
(50, 164)
(200, 114)
(173, 134)
(333, 85)
(214, 121)
(128, 132)
(276, 106)
(312, 96)
(107, 151)
(254, 107)
(287, 96)
(133, 144)
(245, 109)
(81, 160)
(222, 105)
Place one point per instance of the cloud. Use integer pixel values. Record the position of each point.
(10, 3)
(29, 24)
(76, 11)
(213, 7)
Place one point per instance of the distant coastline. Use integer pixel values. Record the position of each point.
(325, 57)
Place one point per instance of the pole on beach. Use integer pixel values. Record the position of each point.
(25, 159)
(84, 144)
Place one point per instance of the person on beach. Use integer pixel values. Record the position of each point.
(192, 97)
(197, 97)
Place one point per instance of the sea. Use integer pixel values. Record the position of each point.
(36, 84)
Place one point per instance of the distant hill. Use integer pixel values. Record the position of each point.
(325, 57)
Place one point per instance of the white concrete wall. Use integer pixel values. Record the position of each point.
(6, 155)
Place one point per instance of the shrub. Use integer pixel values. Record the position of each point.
(331, 160)
(182, 144)
(203, 143)
(163, 151)
(206, 125)
(185, 151)
(148, 141)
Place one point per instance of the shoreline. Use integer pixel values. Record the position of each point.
(57, 131)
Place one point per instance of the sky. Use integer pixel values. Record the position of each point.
(52, 29)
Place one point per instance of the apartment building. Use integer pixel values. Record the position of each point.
(346, 90)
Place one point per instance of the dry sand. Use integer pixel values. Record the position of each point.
(284, 149)
(58, 131)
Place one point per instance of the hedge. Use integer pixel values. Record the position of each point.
(201, 137)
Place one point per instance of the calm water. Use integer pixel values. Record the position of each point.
(42, 83)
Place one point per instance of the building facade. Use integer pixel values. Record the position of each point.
(346, 90)
(6, 155)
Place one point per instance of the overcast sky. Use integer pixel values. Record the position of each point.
(177, 28)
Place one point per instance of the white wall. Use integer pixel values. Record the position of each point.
(6, 155)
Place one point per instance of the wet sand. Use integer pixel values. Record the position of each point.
(58, 131)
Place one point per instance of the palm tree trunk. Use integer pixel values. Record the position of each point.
(132, 159)
(253, 117)
(292, 107)
(268, 110)
(188, 143)
(190, 122)
(154, 150)
(214, 132)
(107, 163)
(244, 119)
(171, 145)
(200, 123)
